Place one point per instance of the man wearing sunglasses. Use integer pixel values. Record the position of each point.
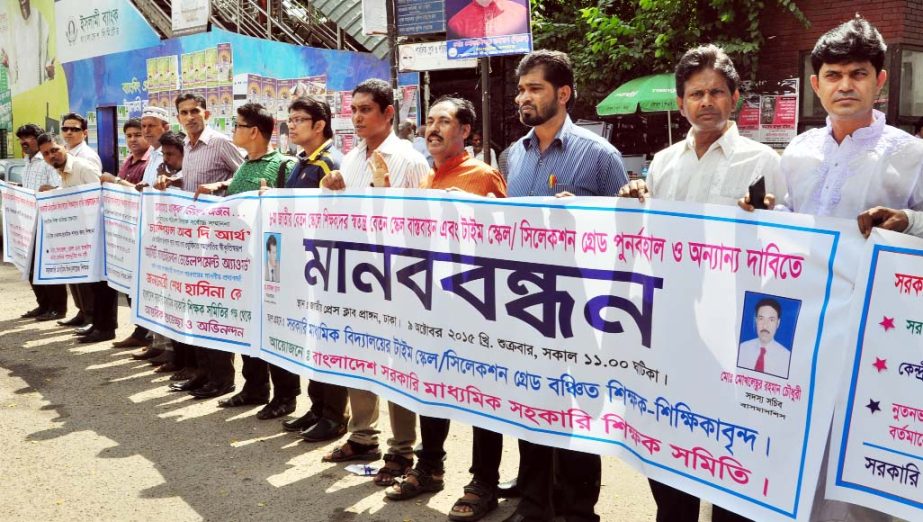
(74, 132)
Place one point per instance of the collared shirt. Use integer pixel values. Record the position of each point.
(722, 175)
(38, 172)
(153, 164)
(133, 169)
(480, 155)
(78, 171)
(248, 176)
(878, 165)
(577, 161)
(500, 17)
(776, 358)
(86, 152)
(311, 168)
(213, 158)
(406, 167)
(468, 174)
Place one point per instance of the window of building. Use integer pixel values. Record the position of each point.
(911, 83)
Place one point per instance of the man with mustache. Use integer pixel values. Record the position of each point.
(557, 156)
(714, 164)
(448, 124)
(856, 167)
(764, 354)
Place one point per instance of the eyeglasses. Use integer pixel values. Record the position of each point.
(236, 125)
(297, 121)
(71, 129)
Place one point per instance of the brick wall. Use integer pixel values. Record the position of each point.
(900, 21)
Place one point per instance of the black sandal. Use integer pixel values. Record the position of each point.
(356, 452)
(485, 503)
(387, 474)
(426, 483)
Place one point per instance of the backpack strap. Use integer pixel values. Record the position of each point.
(280, 176)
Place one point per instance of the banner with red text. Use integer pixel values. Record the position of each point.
(121, 207)
(693, 341)
(69, 235)
(197, 265)
(875, 454)
(20, 212)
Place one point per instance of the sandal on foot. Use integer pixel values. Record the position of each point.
(396, 466)
(425, 483)
(477, 508)
(352, 451)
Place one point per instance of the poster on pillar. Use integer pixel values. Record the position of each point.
(695, 342)
(196, 270)
(69, 236)
(875, 457)
(479, 28)
(20, 211)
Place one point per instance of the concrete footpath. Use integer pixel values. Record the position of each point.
(87, 433)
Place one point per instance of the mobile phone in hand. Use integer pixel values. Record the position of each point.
(757, 193)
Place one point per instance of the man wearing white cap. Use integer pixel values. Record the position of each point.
(154, 122)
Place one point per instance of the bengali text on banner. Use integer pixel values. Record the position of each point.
(68, 238)
(695, 342)
(20, 212)
(121, 208)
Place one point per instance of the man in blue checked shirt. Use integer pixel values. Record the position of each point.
(557, 156)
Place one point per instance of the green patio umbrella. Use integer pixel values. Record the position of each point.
(654, 93)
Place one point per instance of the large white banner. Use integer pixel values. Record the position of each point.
(20, 212)
(88, 29)
(190, 16)
(68, 237)
(693, 341)
(121, 209)
(197, 266)
(876, 454)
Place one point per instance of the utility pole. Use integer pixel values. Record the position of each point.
(392, 57)
(484, 63)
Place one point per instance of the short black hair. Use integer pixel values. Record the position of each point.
(272, 241)
(75, 116)
(771, 303)
(317, 109)
(557, 68)
(380, 90)
(854, 41)
(132, 123)
(464, 109)
(705, 57)
(258, 116)
(50, 137)
(186, 96)
(29, 130)
(173, 139)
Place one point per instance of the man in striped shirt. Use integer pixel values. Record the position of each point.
(557, 156)
(209, 157)
(52, 299)
(381, 160)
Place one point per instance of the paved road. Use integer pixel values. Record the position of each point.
(88, 433)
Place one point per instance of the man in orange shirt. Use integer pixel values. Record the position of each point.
(483, 18)
(448, 125)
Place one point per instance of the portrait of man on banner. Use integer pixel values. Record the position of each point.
(272, 254)
(767, 333)
(485, 18)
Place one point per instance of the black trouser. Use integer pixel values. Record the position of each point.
(257, 373)
(218, 365)
(105, 305)
(328, 401)
(140, 332)
(50, 298)
(183, 355)
(674, 505)
(557, 482)
(83, 299)
(486, 450)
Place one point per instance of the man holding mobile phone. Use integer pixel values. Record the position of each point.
(714, 164)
